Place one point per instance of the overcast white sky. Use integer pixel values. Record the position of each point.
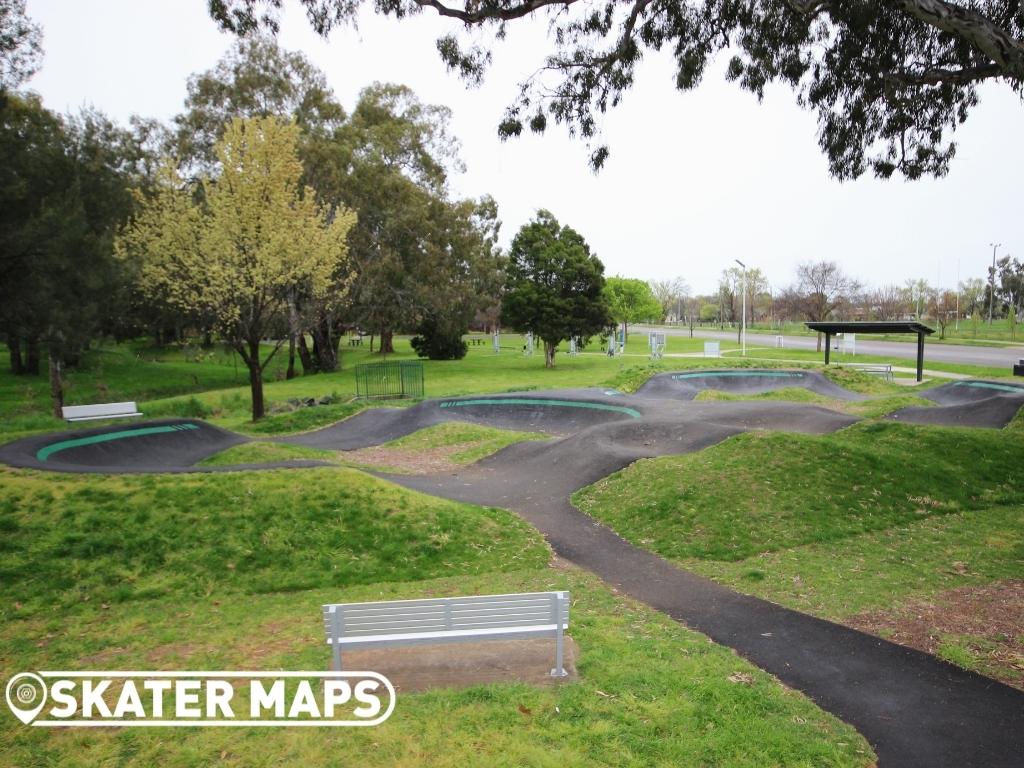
(694, 180)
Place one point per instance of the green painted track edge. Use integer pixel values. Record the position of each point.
(48, 450)
(752, 374)
(990, 385)
(538, 401)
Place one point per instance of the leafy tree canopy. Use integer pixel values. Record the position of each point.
(257, 78)
(20, 45)
(554, 286)
(631, 300)
(238, 254)
(888, 82)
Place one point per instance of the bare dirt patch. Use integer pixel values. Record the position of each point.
(981, 628)
(413, 461)
(425, 667)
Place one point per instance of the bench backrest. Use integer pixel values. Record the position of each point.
(99, 409)
(410, 617)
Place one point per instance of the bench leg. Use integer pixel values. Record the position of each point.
(335, 640)
(559, 670)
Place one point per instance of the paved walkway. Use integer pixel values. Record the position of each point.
(914, 709)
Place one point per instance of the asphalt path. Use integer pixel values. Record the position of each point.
(991, 357)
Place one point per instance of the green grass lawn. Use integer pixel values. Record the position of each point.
(211, 384)
(266, 453)
(229, 572)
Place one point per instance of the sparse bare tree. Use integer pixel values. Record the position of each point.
(888, 302)
(823, 286)
(671, 294)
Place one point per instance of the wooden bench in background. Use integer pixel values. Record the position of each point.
(393, 623)
(99, 411)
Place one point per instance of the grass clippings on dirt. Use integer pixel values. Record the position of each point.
(980, 628)
(440, 448)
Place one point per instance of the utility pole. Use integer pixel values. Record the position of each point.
(992, 282)
(743, 322)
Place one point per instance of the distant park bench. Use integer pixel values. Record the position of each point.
(355, 626)
(879, 369)
(99, 411)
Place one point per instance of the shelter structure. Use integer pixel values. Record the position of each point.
(830, 329)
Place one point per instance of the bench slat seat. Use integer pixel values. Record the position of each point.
(450, 619)
(448, 636)
(100, 411)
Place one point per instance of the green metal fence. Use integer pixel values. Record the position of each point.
(397, 379)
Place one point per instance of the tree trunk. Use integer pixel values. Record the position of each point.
(819, 342)
(290, 373)
(252, 360)
(309, 365)
(56, 382)
(207, 339)
(325, 346)
(549, 354)
(14, 345)
(293, 332)
(387, 341)
(32, 357)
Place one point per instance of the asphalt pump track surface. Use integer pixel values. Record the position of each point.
(914, 709)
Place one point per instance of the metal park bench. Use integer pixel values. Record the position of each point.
(879, 369)
(99, 411)
(355, 626)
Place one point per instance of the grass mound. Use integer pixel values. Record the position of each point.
(762, 492)
(71, 539)
(873, 408)
(266, 453)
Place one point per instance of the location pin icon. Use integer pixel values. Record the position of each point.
(26, 695)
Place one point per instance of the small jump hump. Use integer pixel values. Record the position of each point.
(686, 385)
(966, 403)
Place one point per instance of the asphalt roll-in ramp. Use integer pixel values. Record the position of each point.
(158, 445)
(967, 403)
(559, 412)
(686, 385)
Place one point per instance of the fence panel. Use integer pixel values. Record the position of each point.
(393, 379)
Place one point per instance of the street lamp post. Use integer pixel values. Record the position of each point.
(992, 282)
(957, 320)
(743, 321)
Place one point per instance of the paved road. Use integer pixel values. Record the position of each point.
(996, 357)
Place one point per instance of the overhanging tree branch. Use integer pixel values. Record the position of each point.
(984, 34)
(477, 13)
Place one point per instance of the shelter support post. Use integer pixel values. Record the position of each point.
(920, 356)
(828, 346)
